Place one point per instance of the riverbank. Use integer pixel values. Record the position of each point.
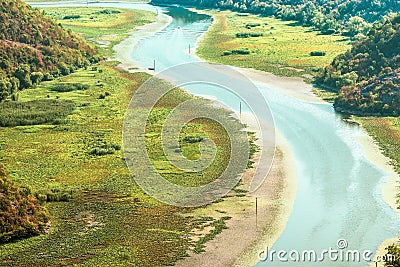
(390, 186)
(247, 234)
(293, 87)
(297, 88)
(123, 50)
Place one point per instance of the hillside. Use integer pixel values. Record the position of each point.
(20, 214)
(34, 48)
(367, 77)
(348, 17)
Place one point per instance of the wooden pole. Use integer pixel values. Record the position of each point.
(256, 212)
(189, 49)
(154, 65)
(240, 113)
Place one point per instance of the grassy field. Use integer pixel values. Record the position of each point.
(104, 26)
(386, 131)
(283, 47)
(109, 220)
(105, 218)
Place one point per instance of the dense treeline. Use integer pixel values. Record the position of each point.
(368, 76)
(20, 213)
(34, 48)
(348, 17)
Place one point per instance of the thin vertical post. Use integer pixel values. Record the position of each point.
(256, 212)
(189, 49)
(240, 113)
(154, 65)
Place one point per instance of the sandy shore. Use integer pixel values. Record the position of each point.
(284, 185)
(124, 50)
(246, 236)
(374, 154)
(390, 187)
(292, 86)
(239, 244)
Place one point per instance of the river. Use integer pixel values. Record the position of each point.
(339, 190)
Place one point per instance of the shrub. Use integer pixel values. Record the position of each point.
(242, 51)
(248, 34)
(251, 25)
(72, 17)
(318, 53)
(108, 11)
(104, 149)
(48, 77)
(21, 215)
(328, 31)
(193, 138)
(54, 195)
(36, 77)
(34, 112)
(68, 87)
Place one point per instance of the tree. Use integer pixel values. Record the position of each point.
(23, 74)
(357, 25)
(36, 77)
(14, 85)
(5, 86)
(20, 213)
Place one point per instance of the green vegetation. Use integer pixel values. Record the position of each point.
(97, 211)
(386, 131)
(218, 226)
(68, 87)
(105, 26)
(73, 162)
(367, 77)
(21, 215)
(34, 48)
(347, 17)
(281, 47)
(35, 112)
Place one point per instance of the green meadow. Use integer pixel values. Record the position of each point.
(268, 44)
(72, 160)
(107, 219)
(103, 26)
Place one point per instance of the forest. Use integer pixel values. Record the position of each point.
(367, 77)
(351, 18)
(33, 47)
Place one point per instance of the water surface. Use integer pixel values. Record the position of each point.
(339, 191)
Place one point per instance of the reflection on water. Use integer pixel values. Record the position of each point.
(182, 18)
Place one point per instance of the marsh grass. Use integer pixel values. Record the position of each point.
(386, 132)
(52, 111)
(103, 216)
(278, 46)
(103, 26)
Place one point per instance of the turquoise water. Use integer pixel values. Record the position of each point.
(338, 194)
(338, 190)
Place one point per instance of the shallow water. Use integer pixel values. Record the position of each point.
(338, 190)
